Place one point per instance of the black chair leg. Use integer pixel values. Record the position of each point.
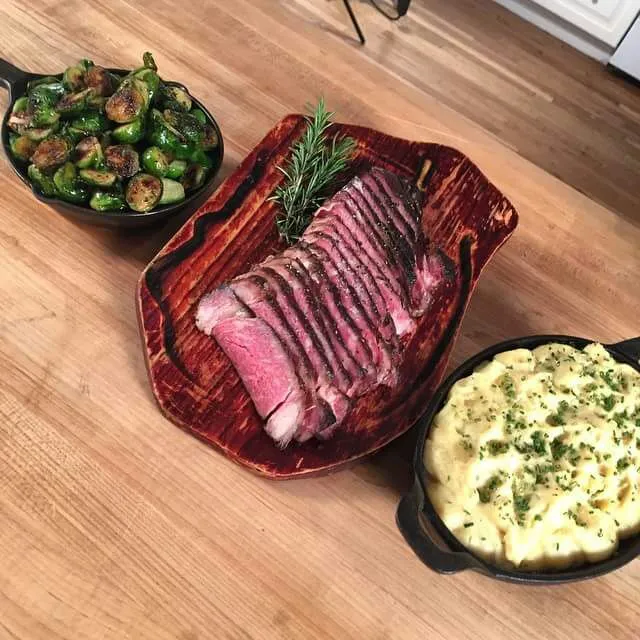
(354, 21)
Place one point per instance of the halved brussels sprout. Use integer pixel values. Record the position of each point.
(101, 81)
(176, 169)
(38, 135)
(143, 192)
(210, 139)
(122, 159)
(172, 192)
(89, 153)
(90, 123)
(51, 153)
(19, 121)
(42, 101)
(199, 115)
(193, 177)
(163, 135)
(22, 147)
(41, 181)
(106, 201)
(176, 98)
(155, 161)
(187, 127)
(128, 102)
(73, 103)
(67, 185)
(131, 132)
(97, 177)
(151, 79)
(73, 77)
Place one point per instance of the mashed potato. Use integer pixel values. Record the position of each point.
(534, 460)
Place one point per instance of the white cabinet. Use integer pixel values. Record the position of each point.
(605, 20)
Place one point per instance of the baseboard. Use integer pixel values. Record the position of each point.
(559, 28)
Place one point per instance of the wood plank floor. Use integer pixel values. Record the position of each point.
(558, 108)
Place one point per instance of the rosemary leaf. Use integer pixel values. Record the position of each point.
(310, 174)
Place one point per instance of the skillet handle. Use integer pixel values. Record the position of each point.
(424, 546)
(630, 348)
(10, 75)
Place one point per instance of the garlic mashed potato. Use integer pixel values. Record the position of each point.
(534, 460)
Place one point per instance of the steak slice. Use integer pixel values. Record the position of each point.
(262, 362)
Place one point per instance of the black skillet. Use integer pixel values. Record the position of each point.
(427, 534)
(15, 81)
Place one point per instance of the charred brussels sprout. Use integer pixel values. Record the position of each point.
(51, 153)
(90, 123)
(107, 201)
(172, 192)
(143, 192)
(101, 81)
(74, 103)
(38, 135)
(67, 185)
(176, 169)
(188, 128)
(73, 77)
(155, 161)
(210, 139)
(19, 121)
(193, 177)
(176, 98)
(97, 177)
(22, 147)
(42, 182)
(131, 132)
(89, 153)
(163, 135)
(128, 102)
(122, 159)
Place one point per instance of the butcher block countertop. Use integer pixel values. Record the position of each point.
(116, 524)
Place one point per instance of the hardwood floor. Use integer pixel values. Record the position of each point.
(558, 108)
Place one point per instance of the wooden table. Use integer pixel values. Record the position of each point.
(115, 524)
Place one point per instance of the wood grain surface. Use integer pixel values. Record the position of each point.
(194, 382)
(115, 524)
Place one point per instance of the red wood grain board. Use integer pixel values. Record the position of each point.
(193, 381)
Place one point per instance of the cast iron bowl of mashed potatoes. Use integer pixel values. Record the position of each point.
(528, 463)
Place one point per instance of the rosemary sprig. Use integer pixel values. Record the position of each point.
(314, 165)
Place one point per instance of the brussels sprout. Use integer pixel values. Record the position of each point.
(51, 153)
(210, 139)
(67, 186)
(151, 79)
(193, 177)
(74, 103)
(143, 192)
(19, 121)
(176, 169)
(106, 201)
(201, 158)
(128, 102)
(32, 84)
(41, 181)
(21, 104)
(38, 135)
(45, 95)
(98, 178)
(188, 128)
(172, 192)
(122, 159)
(163, 135)
(101, 81)
(89, 153)
(199, 115)
(155, 161)
(131, 132)
(73, 77)
(90, 123)
(45, 116)
(176, 98)
(22, 147)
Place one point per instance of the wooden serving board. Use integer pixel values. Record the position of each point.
(193, 381)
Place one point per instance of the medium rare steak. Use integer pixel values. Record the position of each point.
(312, 329)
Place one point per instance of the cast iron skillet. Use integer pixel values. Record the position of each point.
(428, 536)
(15, 81)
